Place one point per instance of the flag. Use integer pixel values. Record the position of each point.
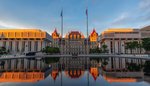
(61, 14)
(86, 11)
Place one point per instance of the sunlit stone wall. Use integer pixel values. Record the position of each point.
(24, 40)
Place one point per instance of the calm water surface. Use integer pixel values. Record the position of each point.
(71, 72)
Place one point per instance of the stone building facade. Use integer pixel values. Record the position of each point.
(56, 39)
(116, 39)
(74, 42)
(93, 39)
(24, 40)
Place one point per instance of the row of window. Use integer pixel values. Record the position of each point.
(126, 32)
(23, 45)
(22, 34)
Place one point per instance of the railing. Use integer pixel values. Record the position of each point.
(145, 56)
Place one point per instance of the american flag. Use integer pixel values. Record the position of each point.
(61, 14)
(86, 11)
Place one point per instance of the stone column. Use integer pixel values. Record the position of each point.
(39, 45)
(20, 46)
(7, 44)
(116, 46)
(26, 46)
(1, 43)
(113, 45)
(13, 46)
(33, 45)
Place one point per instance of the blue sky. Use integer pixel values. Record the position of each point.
(103, 14)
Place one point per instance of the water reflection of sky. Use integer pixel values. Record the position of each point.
(65, 82)
(130, 84)
(82, 81)
(76, 72)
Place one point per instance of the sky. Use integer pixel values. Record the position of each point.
(45, 14)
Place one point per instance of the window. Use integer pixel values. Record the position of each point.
(10, 45)
(4, 44)
(23, 46)
(36, 46)
(29, 45)
(17, 46)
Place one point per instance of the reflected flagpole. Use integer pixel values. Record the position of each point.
(87, 27)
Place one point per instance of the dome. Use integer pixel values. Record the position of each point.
(74, 73)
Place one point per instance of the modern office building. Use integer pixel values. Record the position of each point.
(145, 32)
(24, 40)
(116, 39)
(23, 70)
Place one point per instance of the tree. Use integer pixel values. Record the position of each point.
(51, 50)
(132, 46)
(147, 67)
(3, 50)
(95, 50)
(129, 46)
(140, 47)
(104, 48)
(133, 67)
(135, 45)
(146, 44)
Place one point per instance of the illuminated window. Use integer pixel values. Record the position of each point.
(70, 36)
(74, 36)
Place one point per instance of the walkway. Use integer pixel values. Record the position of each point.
(145, 57)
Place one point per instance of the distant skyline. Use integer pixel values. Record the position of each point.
(103, 14)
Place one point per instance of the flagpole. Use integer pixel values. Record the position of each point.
(87, 28)
(62, 31)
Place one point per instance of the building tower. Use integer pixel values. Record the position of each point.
(55, 36)
(93, 39)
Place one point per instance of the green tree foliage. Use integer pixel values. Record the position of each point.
(146, 44)
(133, 67)
(51, 60)
(133, 45)
(95, 50)
(104, 48)
(51, 50)
(140, 46)
(3, 50)
(147, 67)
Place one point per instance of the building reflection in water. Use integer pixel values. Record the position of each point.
(112, 69)
(23, 70)
(33, 70)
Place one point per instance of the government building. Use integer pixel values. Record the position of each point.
(75, 42)
(116, 39)
(55, 38)
(24, 40)
(93, 39)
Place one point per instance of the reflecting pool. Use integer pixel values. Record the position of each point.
(75, 71)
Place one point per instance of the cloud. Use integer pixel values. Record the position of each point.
(121, 19)
(140, 16)
(8, 24)
(144, 4)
